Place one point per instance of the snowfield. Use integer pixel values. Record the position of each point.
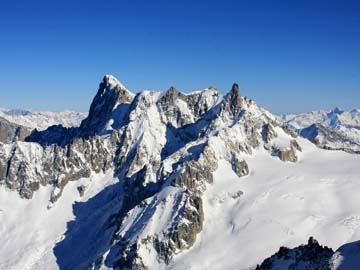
(246, 220)
(281, 205)
(196, 181)
(30, 229)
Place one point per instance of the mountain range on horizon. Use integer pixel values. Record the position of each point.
(168, 180)
(331, 129)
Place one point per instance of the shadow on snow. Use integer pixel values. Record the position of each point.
(88, 235)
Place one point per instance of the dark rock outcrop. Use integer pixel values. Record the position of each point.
(288, 154)
(182, 235)
(54, 165)
(240, 167)
(296, 145)
(234, 100)
(268, 133)
(111, 93)
(306, 257)
(58, 135)
(181, 109)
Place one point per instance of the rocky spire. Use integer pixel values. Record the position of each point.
(235, 88)
(110, 94)
(234, 100)
(170, 96)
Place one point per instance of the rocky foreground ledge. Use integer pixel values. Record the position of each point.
(311, 256)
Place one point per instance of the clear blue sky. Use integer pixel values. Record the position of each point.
(289, 56)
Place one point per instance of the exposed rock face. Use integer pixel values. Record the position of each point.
(26, 166)
(234, 99)
(183, 235)
(108, 111)
(163, 148)
(111, 94)
(10, 132)
(295, 145)
(307, 257)
(182, 109)
(288, 154)
(82, 190)
(268, 133)
(289, 131)
(240, 167)
(58, 135)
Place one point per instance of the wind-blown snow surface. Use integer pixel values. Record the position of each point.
(281, 205)
(43, 119)
(30, 229)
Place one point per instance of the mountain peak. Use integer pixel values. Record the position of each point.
(111, 93)
(112, 81)
(235, 88)
(337, 110)
(234, 99)
(172, 89)
(144, 181)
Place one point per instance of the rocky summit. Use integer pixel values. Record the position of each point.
(311, 256)
(162, 150)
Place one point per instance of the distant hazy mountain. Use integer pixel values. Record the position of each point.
(42, 119)
(334, 129)
(167, 180)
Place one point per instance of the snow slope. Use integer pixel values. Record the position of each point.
(30, 229)
(43, 119)
(195, 181)
(246, 220)
(281, 205)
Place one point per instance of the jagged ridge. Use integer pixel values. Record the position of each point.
(163, 148)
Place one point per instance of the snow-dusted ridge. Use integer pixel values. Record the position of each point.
(170, 181)
(41, 120)
(335, 129)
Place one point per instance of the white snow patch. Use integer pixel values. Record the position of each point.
(29, 230)
(282, 205)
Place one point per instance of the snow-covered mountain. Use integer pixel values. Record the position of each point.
(41, 119)
(167, 180)
(335, 129)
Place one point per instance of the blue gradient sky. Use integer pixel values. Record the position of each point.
(289, 56)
